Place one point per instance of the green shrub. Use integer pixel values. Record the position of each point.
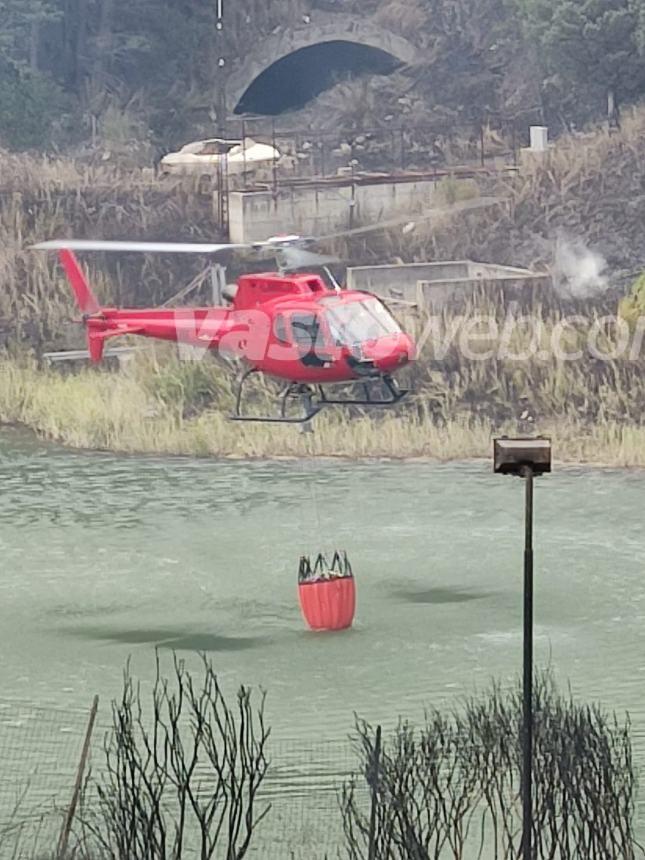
(30, 106)
(632, 307)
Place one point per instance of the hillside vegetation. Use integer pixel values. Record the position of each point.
(152, 74)
(592, 189)
(589, 189)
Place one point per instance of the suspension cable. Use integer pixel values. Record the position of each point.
(196, 282)
(312, 484)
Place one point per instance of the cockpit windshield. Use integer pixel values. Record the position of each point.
(355, 322)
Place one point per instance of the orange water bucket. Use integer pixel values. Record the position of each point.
(328, 604)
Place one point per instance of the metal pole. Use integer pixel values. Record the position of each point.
(275, 166)
(227, 198)
(69, 818)
(244, 152)
(514, 145)
(218, 281)
(220, 191)
(527, 729)
(371, 846)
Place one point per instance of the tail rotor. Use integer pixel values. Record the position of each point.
(86, 301)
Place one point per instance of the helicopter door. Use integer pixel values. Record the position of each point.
(309, 336)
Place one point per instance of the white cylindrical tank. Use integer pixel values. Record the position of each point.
(539, 138)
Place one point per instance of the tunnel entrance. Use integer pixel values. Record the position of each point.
(293, 81)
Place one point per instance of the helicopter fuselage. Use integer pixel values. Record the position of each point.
(291, 327)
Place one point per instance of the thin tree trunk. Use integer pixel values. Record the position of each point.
(34, 44)
(80, 47)
(613, 113)
(104, 44)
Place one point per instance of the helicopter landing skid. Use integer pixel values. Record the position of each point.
(393, 395)
(294, 390)
(313, 400)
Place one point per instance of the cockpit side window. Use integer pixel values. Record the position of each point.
(280, 329)
(311, 337)
(305, 328)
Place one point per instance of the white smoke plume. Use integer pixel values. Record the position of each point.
(578, 272)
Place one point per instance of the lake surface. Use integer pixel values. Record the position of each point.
(105, 557)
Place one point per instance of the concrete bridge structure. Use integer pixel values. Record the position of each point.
(324, 27)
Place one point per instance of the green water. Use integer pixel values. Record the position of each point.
(104, 557)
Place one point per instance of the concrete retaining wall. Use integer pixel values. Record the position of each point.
(433, 285)
(317, 211)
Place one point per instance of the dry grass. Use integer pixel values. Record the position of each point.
(145, 411)
(593, 408)
(42, 198)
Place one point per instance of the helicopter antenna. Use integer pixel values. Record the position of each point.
(333, 280)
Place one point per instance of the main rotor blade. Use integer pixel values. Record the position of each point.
(140, 247)
(402, 221)
(286, 241)
(296, 258)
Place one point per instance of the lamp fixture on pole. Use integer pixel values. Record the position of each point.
(525, 458)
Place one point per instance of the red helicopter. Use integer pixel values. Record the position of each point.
(290, 326)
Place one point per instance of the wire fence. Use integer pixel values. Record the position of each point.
(394, 147)
(349, 156)
(306, 156)
(39, 755)
(40, 749)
